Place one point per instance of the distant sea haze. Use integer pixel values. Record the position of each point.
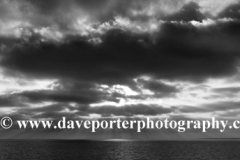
(119, 150)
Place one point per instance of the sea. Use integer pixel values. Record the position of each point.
(118, 150)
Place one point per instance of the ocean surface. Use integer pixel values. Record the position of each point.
(119, 150)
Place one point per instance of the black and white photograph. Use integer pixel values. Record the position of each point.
(119, 79)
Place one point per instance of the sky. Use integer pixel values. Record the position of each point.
(110, 59)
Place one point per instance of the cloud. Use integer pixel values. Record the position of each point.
(129, 58)
(107, 9)
(212, 108)
(60, 92)
(214, 7)
(159, 88)
(233, 90)
(132, 110)
(39, 96)
(55, 19)
(189, 12)
(133, 55)
(11, 101)
(231, 11)
(75, 111)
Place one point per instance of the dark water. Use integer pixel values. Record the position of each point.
(119, 150)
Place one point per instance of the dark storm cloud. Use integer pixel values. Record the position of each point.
(50, 6)
(7, 41)
(39, 96)
(179, 51)
(11, 101)
(231, 11)
(46, 6)
(189, 12)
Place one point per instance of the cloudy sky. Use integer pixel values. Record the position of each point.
(129, 59)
